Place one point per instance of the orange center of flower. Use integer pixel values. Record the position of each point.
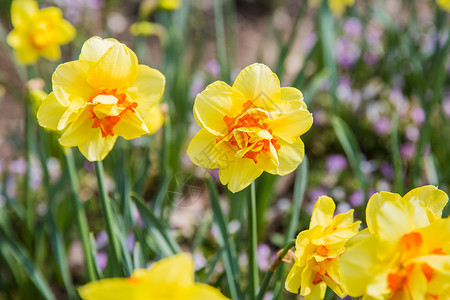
(109, 109)
(249, 135)
(410, 247)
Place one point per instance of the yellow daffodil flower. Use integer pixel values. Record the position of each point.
(250, 127)
(170, 278)
(444, 4)
(318, 250)
(405, 251)
(37, 32)
(146, 28)
(103, 95)
(337, 7)
(169, 4)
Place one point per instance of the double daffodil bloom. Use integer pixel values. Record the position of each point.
(103, 95)
(37, 32)
(169, 279)
(405, 251)
(318, 249)
(250, 127)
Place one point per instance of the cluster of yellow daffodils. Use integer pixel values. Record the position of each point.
(318, 250)
(250, 127)
(405, 251)
(103, 95)
(170, 278)
(37, 32)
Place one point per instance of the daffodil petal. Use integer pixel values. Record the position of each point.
(97, 147)
(259, 84)
(148, 88)
(293, 279)
(52, 52)
(69, 82)
(322, 212)
(204, 151)
(80, 130)
(95, 47)
(204, 291)
(111, 289)
(50, 112)
(15, 39)
(217, 101)
(117, 69)
(239, 174)
(430, 196)
(290, 125)
(292, 94)
(177, 270)
(22, 11)
(289, 157)
(26, 54)
(154, 119)
(130, 126)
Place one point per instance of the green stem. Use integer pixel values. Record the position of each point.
(107, 211)
(81, 216)
(253, 278)
(273, 268)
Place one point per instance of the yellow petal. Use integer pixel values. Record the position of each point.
(130, 126)
(154, 119)
(239, 174)
(214, 103)
(65, 32)
(95, 47)
(50, 112)
(80, 130)
(204, 291)
(289, 157)
(70, 114)
(292, 94)
(148, 89)
(111, 289)
(15, 39)
(177, 270)
(117, 69)
(53, 52)
(204, 151)
(69, 82)
(259, 84)
(22, 11)
(322, 212)
(97, 147)
(430, 196)
(289, 125)
(169, 4)
(26, 54)
(293, 279)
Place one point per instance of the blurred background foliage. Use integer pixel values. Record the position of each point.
(375, 79)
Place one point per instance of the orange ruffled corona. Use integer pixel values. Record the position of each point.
(318, 249)
(37, 32)
(170, 278)
(405, 251)
(103, 95)
(250, 127)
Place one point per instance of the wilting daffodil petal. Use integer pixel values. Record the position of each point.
(170, 278)
(318, 249)
(250, 127)
(37, 32)
(103, 95)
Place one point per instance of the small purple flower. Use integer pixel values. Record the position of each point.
(263, 252)
(214, 174)
(102, 260)
(101, 240)
(382, 127)
(54, 168)
(284, 204)
(88, 166)
(268, 296)
(197, 87)
(387, 170)
(213, 67)
(373, 35)
(316, 193)
(398, 99)
(446, 106)
(130, 242)
(11, 187)
(352, 27)
(357, 198)
(18, 166)
(199, 261)
(336, 163)
(347, 52)
(370, 57)
(418, 115)
(407, 150)
(412, 133)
